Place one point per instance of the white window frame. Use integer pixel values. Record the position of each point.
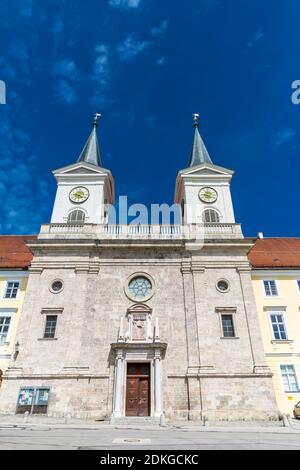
(7, 313)
(281, 378)
(5, 290)
(264, 290)
(279, 311)
(8, 331)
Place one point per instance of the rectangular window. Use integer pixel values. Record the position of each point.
(278, 326)
(50, 327)
(4, 327)
(227, 325)
(33, 399)
(289, 378)
(12, 288)
(270, 288)
(42, 396)
(298, 282)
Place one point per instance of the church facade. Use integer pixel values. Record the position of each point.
(140, 320)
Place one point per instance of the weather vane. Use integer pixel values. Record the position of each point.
(196, 117)
(96, 119)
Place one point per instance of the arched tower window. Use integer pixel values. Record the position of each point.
(76, 217)
(210, 215)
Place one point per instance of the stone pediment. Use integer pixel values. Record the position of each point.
(80, 171)
(206, 169)
(81, 168)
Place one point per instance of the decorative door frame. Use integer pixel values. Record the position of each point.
(125, 353)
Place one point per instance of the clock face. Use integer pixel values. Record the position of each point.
(79, 194)
(208, 195)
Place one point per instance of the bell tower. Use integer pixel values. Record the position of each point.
(85, 188)
(203, 189)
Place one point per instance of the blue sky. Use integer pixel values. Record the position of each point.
(147, 65)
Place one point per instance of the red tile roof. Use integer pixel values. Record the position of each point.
(14, 252)
(275, 253)
(266, 253)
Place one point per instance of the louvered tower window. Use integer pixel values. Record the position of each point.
(76, 217)
(210, 215)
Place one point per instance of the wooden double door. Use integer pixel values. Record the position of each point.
(138, 389)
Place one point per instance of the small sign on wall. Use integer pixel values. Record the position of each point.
(290, 398)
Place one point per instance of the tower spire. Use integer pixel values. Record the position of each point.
(199, 153)
(91, 151)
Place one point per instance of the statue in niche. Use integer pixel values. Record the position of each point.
(139, 327)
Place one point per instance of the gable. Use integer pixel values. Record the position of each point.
(80, 171)
(80, 168)
(206, 169)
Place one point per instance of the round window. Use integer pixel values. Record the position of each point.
(222, 285)
(56, 286)
(140, 288)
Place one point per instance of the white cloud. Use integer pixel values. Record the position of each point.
(65, 26)
(57, 29)
(160, 29)
(209, 4)
(26, 8)
(101, 67)
(151, 121)
(65, 91)
(19, 54)
(58, 25)
(131, 47)
(257, 36)
(23, 193)
(65, 68)
(283, 136)
(161, 61)
(101, 74)
(66, 74)
(125, 3)
(7, 71)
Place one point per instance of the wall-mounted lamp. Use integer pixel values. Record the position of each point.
(17, 350)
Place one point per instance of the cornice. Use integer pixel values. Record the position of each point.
(62, 376)
(220, 375)
(14, 273)
(275, 272)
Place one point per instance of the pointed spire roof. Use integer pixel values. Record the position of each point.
(199, 153)
(91, 151)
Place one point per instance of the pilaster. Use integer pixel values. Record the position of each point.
(255, 339)
(193, 382)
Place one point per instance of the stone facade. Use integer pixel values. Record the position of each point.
(202, 373)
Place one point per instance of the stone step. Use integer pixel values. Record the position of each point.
(135, 420)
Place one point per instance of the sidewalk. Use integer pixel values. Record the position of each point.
(223, 426)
